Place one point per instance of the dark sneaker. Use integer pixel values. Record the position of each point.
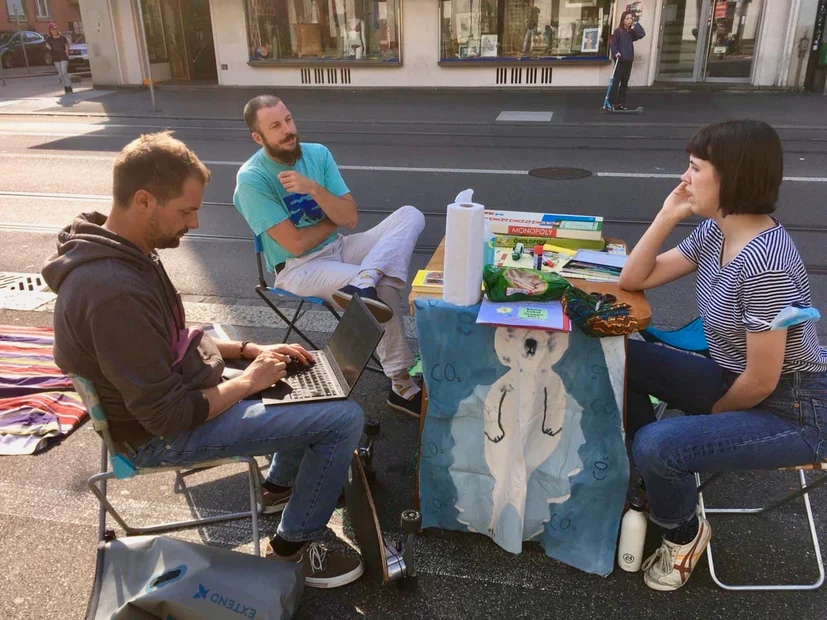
(273, 502)
(669, 567)
(377, 307)
(322, 568)
(620, 106)
(411, 407)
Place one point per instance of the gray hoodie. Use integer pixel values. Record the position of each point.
(119, 322)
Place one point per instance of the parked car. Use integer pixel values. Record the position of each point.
(11, 49)
(78, 56)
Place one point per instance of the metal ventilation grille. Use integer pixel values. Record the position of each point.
(518, 76)
(29, 282)
(322, 75)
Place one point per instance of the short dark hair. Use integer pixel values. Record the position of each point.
(254, 105)
(748, 160)
(157, 163)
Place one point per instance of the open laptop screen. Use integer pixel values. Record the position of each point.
(354, 340)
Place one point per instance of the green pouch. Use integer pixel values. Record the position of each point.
(520, 284)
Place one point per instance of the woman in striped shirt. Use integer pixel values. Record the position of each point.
(761, 401)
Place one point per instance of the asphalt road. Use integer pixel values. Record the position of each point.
(53, 168)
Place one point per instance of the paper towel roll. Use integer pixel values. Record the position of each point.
(463, 253)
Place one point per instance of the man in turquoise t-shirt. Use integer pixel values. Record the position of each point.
(294, 198)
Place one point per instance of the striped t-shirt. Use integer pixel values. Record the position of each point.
(747, 293)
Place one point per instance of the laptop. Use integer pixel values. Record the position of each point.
(338, 366)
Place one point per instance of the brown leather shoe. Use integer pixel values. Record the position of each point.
(322, 568)
(274, 503)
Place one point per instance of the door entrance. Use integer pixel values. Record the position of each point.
(709, 40)
(200, 45)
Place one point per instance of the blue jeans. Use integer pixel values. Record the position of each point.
(312, 444)
(788, 428)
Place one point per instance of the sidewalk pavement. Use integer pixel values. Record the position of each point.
(678, 107)
(27, 72)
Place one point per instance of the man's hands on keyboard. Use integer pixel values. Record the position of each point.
(265, 370)
(286, 352)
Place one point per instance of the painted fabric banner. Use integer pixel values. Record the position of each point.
(523, 438)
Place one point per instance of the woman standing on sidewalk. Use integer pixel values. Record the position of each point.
(58, 45)
(759, 403)
(623, 51)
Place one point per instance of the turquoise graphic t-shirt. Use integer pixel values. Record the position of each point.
(263, 202)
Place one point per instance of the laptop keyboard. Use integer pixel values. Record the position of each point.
(311, 382)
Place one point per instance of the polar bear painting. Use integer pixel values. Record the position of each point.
(523, 427)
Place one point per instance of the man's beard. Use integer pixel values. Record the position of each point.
(163, 241)
(287, 156)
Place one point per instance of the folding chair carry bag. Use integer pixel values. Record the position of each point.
(145, 577)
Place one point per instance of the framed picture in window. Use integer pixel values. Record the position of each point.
(591, 40)
(463, 50)
(473, 48)
(488, 46)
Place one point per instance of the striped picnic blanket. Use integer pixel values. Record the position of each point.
(38, 404)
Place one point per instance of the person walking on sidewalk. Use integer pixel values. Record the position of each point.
(758, 403)
(58, 46)
(119, 323)
(623, 51)
(293, 196)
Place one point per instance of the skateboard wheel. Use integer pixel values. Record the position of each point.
(372, 427)
(409, 583)
(411, 521)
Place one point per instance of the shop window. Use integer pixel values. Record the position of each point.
(154, 27)
(496, 30)
(324, 30)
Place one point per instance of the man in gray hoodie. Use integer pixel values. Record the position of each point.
(119, 322)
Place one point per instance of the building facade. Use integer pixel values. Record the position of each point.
(36, 15)
(444, 43)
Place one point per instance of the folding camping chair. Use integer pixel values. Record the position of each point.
(691, 338)
(122, 467)
(263, 291)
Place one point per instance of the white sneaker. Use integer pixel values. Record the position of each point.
(670, 566)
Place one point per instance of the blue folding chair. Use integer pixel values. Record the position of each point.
(691, 338)
(115, 463)
(264, 291)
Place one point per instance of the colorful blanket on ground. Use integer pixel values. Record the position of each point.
(38, 404)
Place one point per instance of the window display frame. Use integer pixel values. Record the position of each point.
(326, 62)
(606, 10)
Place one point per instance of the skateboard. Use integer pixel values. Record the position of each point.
(384, 560)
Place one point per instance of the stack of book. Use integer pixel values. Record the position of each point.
(564, 230)
(595, 266)
(427, 282)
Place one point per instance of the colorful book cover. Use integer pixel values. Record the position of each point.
(508, 241)
(546, 231)
(428, 280)
(547, 315)
(527, 216)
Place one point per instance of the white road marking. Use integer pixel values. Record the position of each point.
(492, 171)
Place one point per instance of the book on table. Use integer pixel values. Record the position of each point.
(545, 225)
(545, 315)
(591, 265)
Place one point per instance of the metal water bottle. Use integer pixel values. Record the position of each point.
(632, 537)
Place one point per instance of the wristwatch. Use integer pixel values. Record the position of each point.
(241, 349)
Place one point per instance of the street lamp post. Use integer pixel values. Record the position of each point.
(146, 54)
